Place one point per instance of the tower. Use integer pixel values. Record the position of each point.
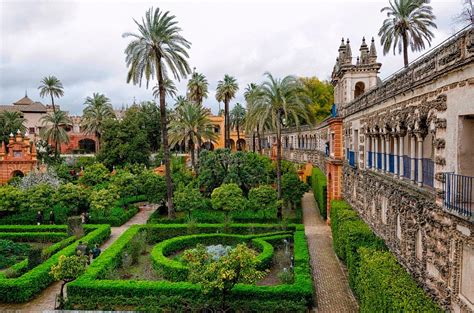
(350, 80)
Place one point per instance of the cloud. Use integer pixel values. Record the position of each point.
(80, 42)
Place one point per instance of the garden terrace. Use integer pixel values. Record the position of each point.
(29, 282)
(94, 291)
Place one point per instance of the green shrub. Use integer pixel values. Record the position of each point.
(384, 285)
(12, 252)
(292, 189)
(319, 186)
(94, 174)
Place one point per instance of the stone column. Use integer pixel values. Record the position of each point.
(412, 158)
(387, 153)
(366, 151)
(382, 144)
(401, 173)
(395, 155)
(376, 162)
(419, 139)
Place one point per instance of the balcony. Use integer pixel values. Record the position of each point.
(458, 194)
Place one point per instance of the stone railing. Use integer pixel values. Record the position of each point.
(455, 52)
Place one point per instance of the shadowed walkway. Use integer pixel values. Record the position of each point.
(45, 301)
(333, 293)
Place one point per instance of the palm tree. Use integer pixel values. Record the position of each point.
(53, 129)
(407, 24)
(98, 109)
(277, 101)
(192, 125)
(197, 88)
(53, 87)
(225, 92)
(237, 117)
(170, 89)
(252, 120)
(156, 49)
(180, 101)
(10, 123)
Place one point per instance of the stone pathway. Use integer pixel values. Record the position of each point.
(333, 293)
(46, 300)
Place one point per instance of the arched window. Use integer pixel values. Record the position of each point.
(359, 89)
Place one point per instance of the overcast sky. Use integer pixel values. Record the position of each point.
(80, 42)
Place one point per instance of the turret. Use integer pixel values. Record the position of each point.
(372, 52)
(348, 59)
(342, 52)
(364, 52)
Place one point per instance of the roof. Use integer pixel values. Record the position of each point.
(25, 105)
(24, 101)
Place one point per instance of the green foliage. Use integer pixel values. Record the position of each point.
(94, 174)
(263, 197)
(319, 186)
(69, 268)
(384, 285)
(40, 198)
(72, 198)
(228, 197)
(292, 189)
(126, 183)
(125, 141)
(380, 283)
(12, 252)
(118, 214)
(188, 199)
(11, 198)
(102, 200)
(286, 276)
(153, 186)
(321, 96)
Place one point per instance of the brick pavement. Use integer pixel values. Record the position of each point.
(46, 300)
(333, 293)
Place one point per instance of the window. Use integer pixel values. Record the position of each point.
(359, 89)
(31, 130)
(17, 154)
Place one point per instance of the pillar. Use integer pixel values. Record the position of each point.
(395, 155)
(387, 153)
(412, 158)
(419, 139)
(376, 150)
(366, 151)
(401, 172)
(382, 144)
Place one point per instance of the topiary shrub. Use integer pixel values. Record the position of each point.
(319, 186)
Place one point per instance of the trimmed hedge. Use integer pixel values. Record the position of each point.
(91, 292)
(378, 281)
(319, 186)
(26, 286)
(33, 236)
(118, 214)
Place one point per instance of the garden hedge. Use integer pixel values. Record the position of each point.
(91, 291)
(378, 281)
(26, 286)
(319, 186)
(118, 214)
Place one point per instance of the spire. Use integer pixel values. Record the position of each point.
(348, 52)
(342, 51)
(364, 52)
(26, 93)
(372, 52)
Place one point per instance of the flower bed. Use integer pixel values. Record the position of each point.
(92, 291)
(26, 286)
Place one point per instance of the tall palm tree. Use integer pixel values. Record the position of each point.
(98, 109)
(170, 89)
(197, 88)
(277, 101)
(225, 92)
(53, 129)
(191, 125)
(237, 117)
(408, 24)
(180, 101)
(10, 123)
(156, 49)
(252, 120)
(53, 87)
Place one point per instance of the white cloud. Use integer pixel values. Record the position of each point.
(80, 42)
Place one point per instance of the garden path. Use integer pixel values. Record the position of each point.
(333, 293)
(45, 301)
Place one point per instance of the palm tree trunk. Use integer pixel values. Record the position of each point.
(191, 150)
(405, 50)
(226, 123)
(253, 142)
(259, 140)
(238, 138)
(97, 143)
(164, 132)
(52, 103)
(279, 155)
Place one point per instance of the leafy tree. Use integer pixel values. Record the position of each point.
(53, 129)
(320, 95)
(293, 189)
(10, 123)
(226, 90)
(71, 197)
(158, 48)
(252, 120)
(52, 86)
(237, 117)
(94, 174)
(102, 200)
(197, 88)
(221, 275)
(264, 198)
(153, 186)
(35, 178)
(11, 198)
(40, 198)
(150, 115)
(98, 109)
(188, 199)
(278, 101)
(125, 141)
(68, 269)
(126, 183)
(408, 24)
(228, 197)
(191, 124)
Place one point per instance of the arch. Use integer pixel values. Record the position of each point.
(17, 173)
(241, 144)
(232, 144)
(208, 146)
(359, 89)
(87, 145)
